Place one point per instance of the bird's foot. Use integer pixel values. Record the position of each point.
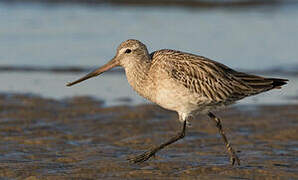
(234, 159)
(188, 124)
(142, 157)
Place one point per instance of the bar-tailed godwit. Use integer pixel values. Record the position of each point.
(186, 83)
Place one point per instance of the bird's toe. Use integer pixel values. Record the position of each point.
(141, 158)
(235, 160)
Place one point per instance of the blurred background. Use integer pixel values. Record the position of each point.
(46, 43)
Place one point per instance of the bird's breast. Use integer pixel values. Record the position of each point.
(158, 87)
(141, 84)
(174, 96)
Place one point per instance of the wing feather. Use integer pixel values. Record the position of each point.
(212, 79)
(203, 76)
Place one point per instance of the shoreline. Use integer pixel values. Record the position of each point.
(50, 84)
(164, 3)
(285, 71)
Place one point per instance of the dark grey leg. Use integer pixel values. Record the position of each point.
(233, 156)
(145, 156)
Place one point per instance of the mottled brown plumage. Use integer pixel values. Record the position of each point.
(213, 80)
(185, 83)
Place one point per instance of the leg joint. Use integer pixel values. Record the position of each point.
(211, 115)
(218, 124)
(182, 135)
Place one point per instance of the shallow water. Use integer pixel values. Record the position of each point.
(106, 88)
(251, 37)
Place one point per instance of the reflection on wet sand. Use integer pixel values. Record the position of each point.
(79, 138)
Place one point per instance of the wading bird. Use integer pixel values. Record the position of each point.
(186, 83)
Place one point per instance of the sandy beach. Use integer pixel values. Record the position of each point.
(78, 138)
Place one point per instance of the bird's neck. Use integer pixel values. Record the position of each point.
(137, 76)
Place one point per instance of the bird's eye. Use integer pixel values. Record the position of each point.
(128, 51)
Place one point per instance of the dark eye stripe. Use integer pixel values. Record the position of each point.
(128, 51)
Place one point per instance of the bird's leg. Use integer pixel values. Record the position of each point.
(233, 156)
(145, 156)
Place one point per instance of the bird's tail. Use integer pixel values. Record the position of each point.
(260, 84)
(277, 83)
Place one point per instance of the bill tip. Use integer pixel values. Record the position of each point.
(68, 84)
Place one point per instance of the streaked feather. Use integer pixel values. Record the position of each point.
(209, 78)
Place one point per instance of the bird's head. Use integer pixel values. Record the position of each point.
(128, 53)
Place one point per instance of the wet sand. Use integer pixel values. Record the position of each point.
(79, 138)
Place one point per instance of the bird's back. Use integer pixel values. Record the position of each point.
(210, 79)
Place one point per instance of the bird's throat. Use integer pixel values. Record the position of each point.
(138, 77)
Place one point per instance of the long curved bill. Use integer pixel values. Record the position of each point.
(112, 63)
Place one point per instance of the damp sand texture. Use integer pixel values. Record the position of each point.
(79, 138)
